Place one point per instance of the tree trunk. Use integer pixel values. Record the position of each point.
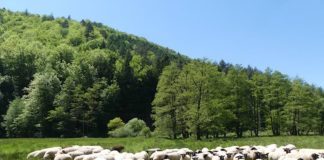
(294, 127)
(198, 114)
(173, 118)
(272, 125)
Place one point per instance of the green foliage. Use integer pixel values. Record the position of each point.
(199, 98)
(10, 119)
(67, 78)
(133, 128)
(115, 123)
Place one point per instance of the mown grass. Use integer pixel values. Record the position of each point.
(17, 149)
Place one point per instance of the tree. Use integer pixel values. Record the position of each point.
(21, 67)
(275, 98)
(39, 101)
(65, 23)
(238, 99)
(7, 89)
(300, 104)
(10, 119)
(200, 83)
(165, 105)
(258, 83)
(88, 33)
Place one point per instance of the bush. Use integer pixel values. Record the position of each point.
(146, 132)
(115, 123)
(134, 127)
(121, 132)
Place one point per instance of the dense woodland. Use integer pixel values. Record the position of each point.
(63, 78)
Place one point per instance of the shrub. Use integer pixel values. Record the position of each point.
(121, 132)
(115, 123)
(134, 127)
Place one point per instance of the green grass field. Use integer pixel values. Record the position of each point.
(17, 149)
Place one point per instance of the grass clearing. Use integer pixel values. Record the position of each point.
(17, 149)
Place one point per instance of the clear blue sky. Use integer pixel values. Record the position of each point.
(285, 35)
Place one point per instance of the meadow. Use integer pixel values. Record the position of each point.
(17, 149)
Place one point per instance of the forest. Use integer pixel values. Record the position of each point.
(64, 78)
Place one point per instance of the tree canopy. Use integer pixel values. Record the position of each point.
(64, 78)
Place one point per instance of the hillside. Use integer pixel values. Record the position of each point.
(78, 59)
(63, 78)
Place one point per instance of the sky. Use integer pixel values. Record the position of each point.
(285, 35)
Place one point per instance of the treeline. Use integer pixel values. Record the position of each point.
(204, 99)
(60, 77)
(63, 78)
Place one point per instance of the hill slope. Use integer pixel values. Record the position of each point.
(83, 59)
(60, 77)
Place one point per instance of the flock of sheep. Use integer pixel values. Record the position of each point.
(270, 152)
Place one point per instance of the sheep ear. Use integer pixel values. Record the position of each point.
(253, 148)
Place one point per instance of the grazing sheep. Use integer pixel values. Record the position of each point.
(62, 157)
(238, 156)
(222, 155)
(311, 154)
(142, 155)
(290, 146)
(41, 153)
(204, 156)
(50, 153)
(174, 156)
(33, 155)
(91, 157)
(158, 155)
(275, 155)
(75, 153)
(205, 150)
(231, 151)
(79, 157)
(85, 150)
(105, 157)
(71, 149)
(271, 147)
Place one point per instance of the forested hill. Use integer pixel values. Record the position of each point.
(61, 74)
(60, 77)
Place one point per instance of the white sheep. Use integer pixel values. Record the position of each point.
(174, 156)
(204, 156)
(205, 150)
(71, 149)
(158, 155)
(222, 155)
(62, 157)
(290, 146)
(238, 156)
(105, 151)
(79, 157)
(40, 153)
(33, 155)
(75, 153)
(50, 153)
(275, 155)
(271, 147)
(231, 151)
(215, 157)
(141, 155)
